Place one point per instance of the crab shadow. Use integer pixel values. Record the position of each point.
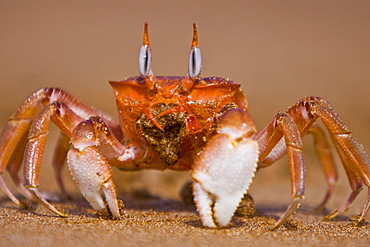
(75, 204)
(143, 201)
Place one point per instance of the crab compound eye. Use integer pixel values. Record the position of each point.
(195, 62)
(144, 60)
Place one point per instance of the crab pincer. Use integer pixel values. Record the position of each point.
(224, 170)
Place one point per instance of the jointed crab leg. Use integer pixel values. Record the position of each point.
(10, 195)
(281, 126)
(327, 161)
(354, 159)
(66, 120)
(361, 218)
(38, 109)
(13, 167)
(59, 158)
(12, 141)
(323, 152)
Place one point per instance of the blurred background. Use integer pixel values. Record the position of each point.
(280, 51)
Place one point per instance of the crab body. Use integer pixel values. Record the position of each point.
(179, 123)
(173, 125)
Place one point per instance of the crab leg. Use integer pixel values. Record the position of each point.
(351, 152)
(20, 122)
(224, 170)
(13, 166)
(11, 149)
(283, 126)
(354, 159)
(66, 120)
(327, 161)
(14, 135)
(6, 190)
(59, 158)
(322, 151)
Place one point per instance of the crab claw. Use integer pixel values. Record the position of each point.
(93, 176)
(224, 170)
(90, 168)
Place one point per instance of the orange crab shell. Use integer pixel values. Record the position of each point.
(201, 104)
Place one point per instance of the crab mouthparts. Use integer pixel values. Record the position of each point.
(166, 139)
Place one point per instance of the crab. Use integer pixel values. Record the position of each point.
(177, 123)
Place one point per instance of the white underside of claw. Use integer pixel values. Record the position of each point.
(222, 175)
(93, 176)
(85, 175)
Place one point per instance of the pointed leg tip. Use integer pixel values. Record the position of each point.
(326, 218)
(274, 227)
(63, 215)
(331, 215)
(357, 220)
(278, 224)
(35, 192)
(290, 211)
(58, 212)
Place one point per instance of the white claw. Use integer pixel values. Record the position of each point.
(93, 176)
(222, 175)
(204, 205)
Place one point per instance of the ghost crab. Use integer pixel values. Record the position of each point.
(178, 123)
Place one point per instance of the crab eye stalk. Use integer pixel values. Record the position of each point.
(145, 57)
(195, 62)
(195, 57)
(145, 61)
